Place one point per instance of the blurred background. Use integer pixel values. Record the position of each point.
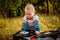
(12, 12)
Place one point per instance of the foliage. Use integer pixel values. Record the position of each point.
(56, 5)
(13, 8)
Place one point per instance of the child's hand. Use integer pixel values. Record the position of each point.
(24, 21)
(30, 23)
(37, 33)
(24, 32)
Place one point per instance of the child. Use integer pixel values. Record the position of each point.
(30, 20)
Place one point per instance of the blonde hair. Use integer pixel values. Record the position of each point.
(30, 8)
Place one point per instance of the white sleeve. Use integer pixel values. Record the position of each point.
(24, 18)
(35, 17)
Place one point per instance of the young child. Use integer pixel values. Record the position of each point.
(30, 20)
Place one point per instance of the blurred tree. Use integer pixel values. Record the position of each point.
(56, 5)
(17, 6)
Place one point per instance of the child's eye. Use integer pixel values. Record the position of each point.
(28, 14)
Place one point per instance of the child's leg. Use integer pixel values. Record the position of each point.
(25, 27)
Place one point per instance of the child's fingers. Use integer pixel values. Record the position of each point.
(37, 32)
(24, 32)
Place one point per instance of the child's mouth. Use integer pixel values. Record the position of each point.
(29, 18)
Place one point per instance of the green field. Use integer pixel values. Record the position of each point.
(9, 26)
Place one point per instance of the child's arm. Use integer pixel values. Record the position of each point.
(24, 19)
(36, 23)
(37, 26)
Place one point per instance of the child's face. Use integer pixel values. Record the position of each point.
(29, 14)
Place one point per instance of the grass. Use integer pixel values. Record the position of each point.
(10, 26)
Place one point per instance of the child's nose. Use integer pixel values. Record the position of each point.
(28, 15)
